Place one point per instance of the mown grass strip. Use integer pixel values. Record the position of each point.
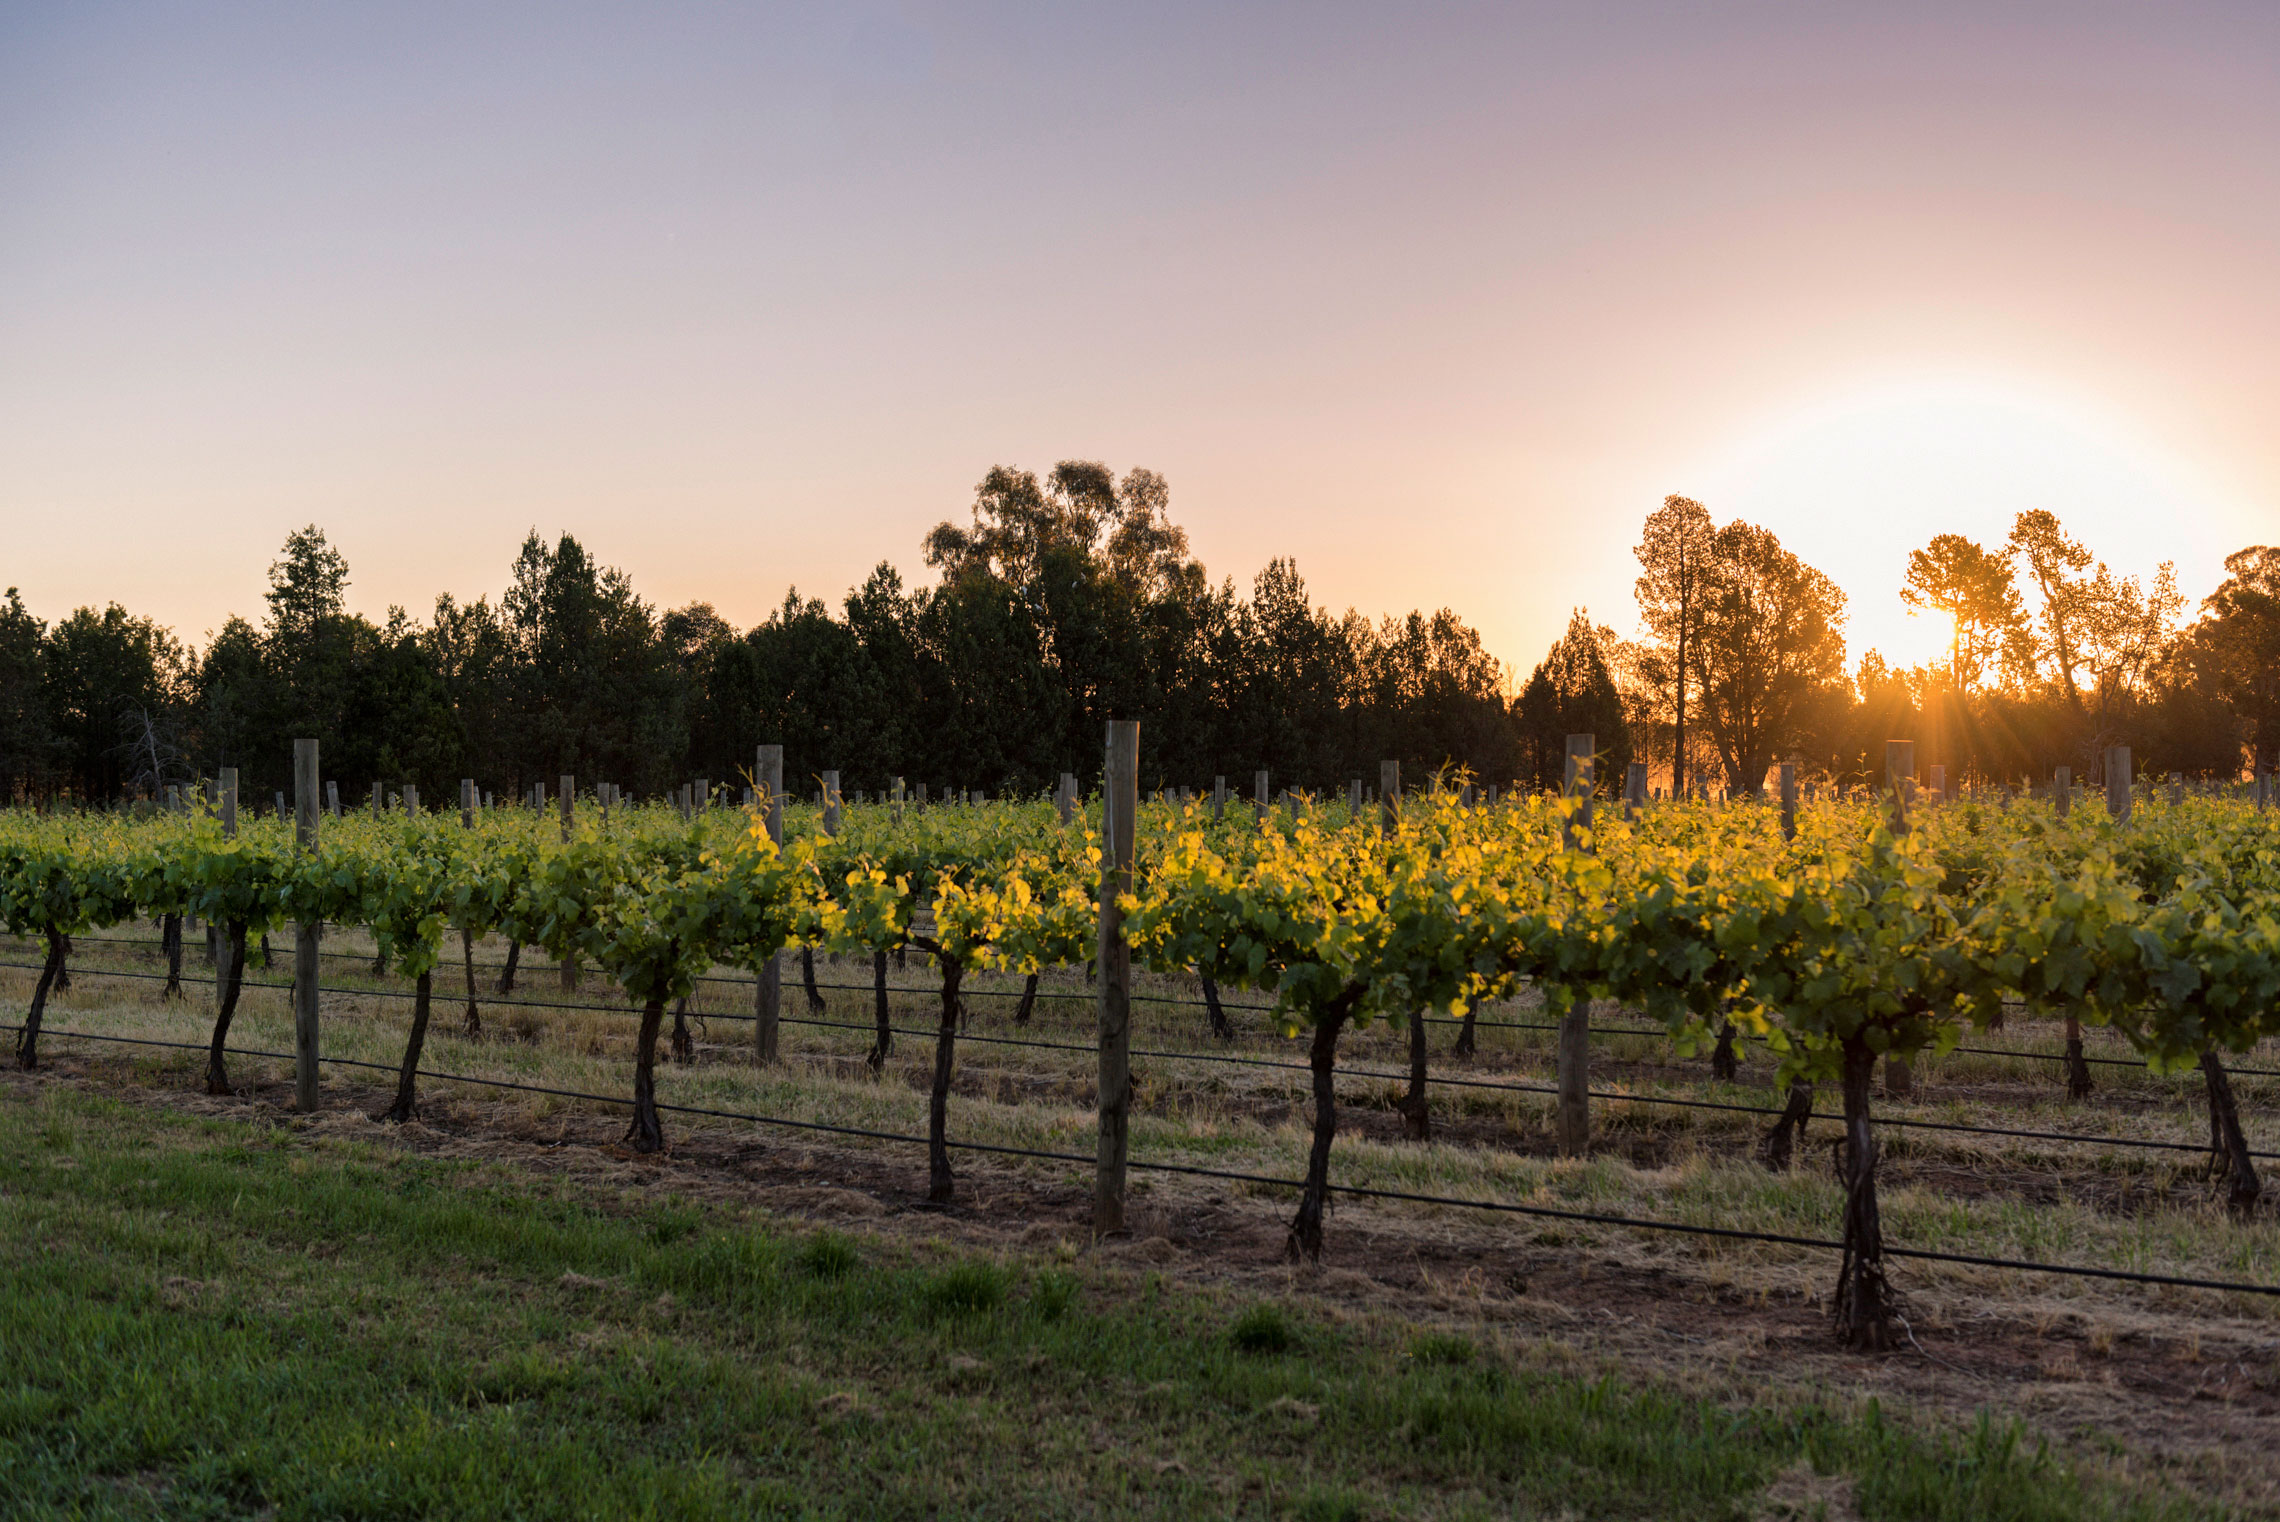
(215, 1319)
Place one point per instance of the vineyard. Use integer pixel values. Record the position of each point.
(1533, 975)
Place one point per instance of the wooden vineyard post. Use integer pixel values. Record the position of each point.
(831, 803)
(1120, 803)
(567, 803)
(332, 799)
(1577, 781)
(1218, 799)
(1065, 800)
(222, 803)
(768, 998)
(2062, 789)
(2263, 790)
(1573, 1115)
(1788, 800)
(1389, 796)
(411, 798)
(1899, 773)
(1634, 789)
(305, 934)
(2118, 783)
(1899, 777)
(1258, 795)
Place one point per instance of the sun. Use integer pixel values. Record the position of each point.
(1854, 483)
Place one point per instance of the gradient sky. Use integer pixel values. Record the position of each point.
(1441, 301)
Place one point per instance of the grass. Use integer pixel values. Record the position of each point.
(212, 1318)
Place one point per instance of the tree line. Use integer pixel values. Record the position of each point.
(2053, 657)
(1070, 598)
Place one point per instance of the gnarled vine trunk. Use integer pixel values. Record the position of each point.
(1314, 1201)
(940, 1184)
(1219, 1024)
(474, 1022)
(1723, 1065)
(1416, 1113)
(646, 1134)
(882, 1030)
(1467, 1043)
(1028, 1004)
(28, 1039)
(1779, 1145)
(231, 978)
(507, 973)
(807, 980)
(407, 1076)
(2077, 1070)
(2227, 1144)
(170, 936)
(1864, 1299)
(684, 1045)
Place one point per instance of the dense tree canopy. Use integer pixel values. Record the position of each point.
(1070, 599)
(1064, 602)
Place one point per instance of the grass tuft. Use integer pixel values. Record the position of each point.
(964, 1290)
(1263, 1329)
(828, 1255)
(1449, 1348)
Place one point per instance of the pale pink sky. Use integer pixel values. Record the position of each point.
(1441, 301)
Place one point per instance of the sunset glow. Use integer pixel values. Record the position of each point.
(1855, 482)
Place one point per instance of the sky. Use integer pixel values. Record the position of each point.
(1440, 301)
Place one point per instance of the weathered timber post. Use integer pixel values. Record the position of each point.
(768, 1003)
(2062, 789)
(1258, 794)
(1573, 1116)
(306, 933)
(1634, 789)
(1899, 778)
(2118, 782)
(1218, 799)
(567, 803)
(1389, 797)
(1899, 773)
(1120, 803)
(831, 803)
(1788, 800)
(332, 799)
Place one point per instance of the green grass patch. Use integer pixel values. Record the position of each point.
(211, 1319)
